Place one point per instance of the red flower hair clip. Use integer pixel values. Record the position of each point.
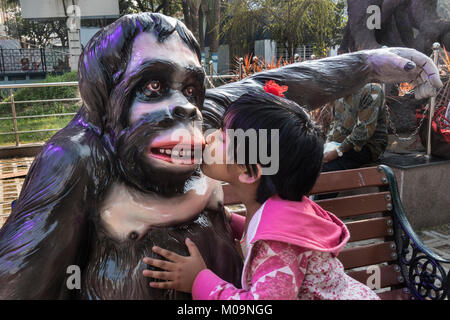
(274, 88)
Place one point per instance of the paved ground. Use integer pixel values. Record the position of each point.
(10, 188)
(438, 239)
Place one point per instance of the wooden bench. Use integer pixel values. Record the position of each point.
(381, 238)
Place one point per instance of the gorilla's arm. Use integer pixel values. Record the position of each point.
(48, 227)
(311, 83)
(314, 83)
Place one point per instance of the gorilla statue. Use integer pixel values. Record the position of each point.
(103, 190)
(404, 23)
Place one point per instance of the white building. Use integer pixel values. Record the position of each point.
(74, 11)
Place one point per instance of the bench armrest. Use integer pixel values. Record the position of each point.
(420, 267)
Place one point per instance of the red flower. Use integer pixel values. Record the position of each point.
(274, 88)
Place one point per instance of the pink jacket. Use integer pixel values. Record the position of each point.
(290, 253)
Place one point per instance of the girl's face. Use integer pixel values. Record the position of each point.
(214, 163)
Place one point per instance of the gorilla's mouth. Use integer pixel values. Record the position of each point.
(177, 154)
(177, 147)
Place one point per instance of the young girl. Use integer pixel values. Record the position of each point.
(290, 243)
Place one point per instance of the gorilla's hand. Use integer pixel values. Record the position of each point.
(394, 65)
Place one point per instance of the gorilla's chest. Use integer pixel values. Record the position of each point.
(128, 213)
(131, 224)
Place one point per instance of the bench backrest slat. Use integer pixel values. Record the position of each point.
(348, 179)
(367, 255)
(356, 205)
(370, 228)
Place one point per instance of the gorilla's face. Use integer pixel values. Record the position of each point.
(161, 147)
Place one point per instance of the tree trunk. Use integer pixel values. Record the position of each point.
(193, 6)
(214, 33)
(187, 15)
(201, 27)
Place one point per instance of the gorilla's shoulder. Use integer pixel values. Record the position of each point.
(80, 148)
(75, 142)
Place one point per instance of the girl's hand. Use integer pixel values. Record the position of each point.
(180, 271)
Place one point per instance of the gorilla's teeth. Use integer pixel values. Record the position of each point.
(168, 151)
(175, 153)
(161, 150)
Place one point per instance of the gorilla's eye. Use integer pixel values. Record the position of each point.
(154, 86)
(189, 91)
(153, 89)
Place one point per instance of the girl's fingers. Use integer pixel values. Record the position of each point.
(172, 256)
(162, 275)
(163, 285)
(162, 264)
(193, 250)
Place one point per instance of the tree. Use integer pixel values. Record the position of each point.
(191, 10)
(292, 23)
(202, 17)
(9, 3)
(241, 22)
(213, 24)
(289, 22)
(167, 7)
(37, 33)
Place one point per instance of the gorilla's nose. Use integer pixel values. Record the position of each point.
(186, 112)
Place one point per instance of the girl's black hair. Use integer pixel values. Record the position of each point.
(300, 143)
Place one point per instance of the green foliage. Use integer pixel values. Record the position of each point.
(241, 22)
(38, 33)
(290, 23)
(24, 94)
(41, 108)
(168, 7)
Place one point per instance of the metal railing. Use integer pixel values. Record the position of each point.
(14, 117)
(33, 60)
(13, 104)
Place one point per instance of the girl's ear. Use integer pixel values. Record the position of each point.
(247, 177)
